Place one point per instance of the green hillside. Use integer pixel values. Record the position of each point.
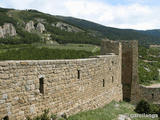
(144, 37)
(20, 18)
(89, 32)
(155, 32)
(149, 64)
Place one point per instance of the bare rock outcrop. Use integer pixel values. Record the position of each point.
(68, 28)
(123, 117)
(1, 32)
(7, 30)
(30, 26)
(53, 25)
(40, 27)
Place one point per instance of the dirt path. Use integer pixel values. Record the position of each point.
(154, 86)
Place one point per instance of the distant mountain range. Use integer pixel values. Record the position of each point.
(155, 32)
(31, 26)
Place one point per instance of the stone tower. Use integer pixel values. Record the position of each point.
(128, 51)
(129, 68)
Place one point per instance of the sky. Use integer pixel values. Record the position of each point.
(126, 14)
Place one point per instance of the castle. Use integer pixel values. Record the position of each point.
(70, 86)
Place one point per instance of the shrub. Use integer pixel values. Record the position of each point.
(154, 109)
(44, 116)
(24, 38)
(147, 108)
(28, 38)
(53, 116)
(143, 107)
(159, 112)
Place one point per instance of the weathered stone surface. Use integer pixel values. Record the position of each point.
(1, 32)
(64, 92)
(149, 93)
(2, 101)
(30, 26)
(7, 30)
(129, 65)
(123, 117)
(32, 109)
(40, 27)
(116, 105)
(66, 27)
(4, 96)
(69, 86)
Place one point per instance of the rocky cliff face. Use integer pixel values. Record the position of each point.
(7, 30)
(66, 27)
(30, 26)
(1, 32)
(40, 28)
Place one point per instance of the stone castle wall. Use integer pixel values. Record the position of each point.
(111, 47)
(63, 86)
(70, 86)
(148, 93)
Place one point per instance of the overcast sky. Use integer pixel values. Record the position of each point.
(135, 14)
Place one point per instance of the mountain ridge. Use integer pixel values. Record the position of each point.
(89, 32)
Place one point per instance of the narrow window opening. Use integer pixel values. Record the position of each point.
(112, 62)
(152, 96)
(6, 118)
(78, 74)
(112, 79)
(41, 85)
(103, 83)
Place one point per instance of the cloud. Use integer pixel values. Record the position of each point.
(20, 4)
(135, 15)
(123, 16)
